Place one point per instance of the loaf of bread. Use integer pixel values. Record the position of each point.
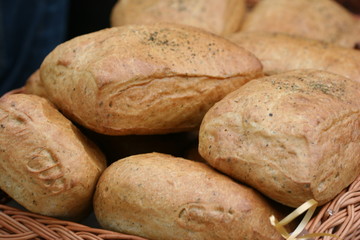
(46, 164)
(161, 197)
(323, 20)
(294, 136)
(33, 85)
(144, 79)
(280, 52)
(219, 17)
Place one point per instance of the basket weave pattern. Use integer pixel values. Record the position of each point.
(20, 225)
(341, 216)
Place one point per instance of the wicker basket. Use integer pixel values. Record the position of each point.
(340, 217)
(20, 225)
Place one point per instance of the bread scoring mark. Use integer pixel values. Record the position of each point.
(16, 123)
(47, 169)
(199, 216)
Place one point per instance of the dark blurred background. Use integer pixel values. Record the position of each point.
(30, 29)
(87, 16)
(352, 5)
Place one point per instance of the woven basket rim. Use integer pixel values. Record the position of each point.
(22, 225)
(341, 216)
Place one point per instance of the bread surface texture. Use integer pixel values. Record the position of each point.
(46, 164)
(158, 196)
(144, 79)
(34, 86)
(323, 20)
(281, 52)
(219, 17)
(294, 136)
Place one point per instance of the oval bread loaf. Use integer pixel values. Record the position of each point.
(324, 20)
(33, 85)
(161, 197)
(219, 17)
(292, 136)
(144, 79)
(280, 52)
(46, 164)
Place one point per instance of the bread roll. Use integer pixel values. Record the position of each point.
(351, 5)
(161, 197)
(219, 17)
(323, 20)
(293, 136)
(280, 52)
(33, 85)
(144, 79)
(46, 164)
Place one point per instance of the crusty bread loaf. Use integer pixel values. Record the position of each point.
(144, 79)
(219, 17)
(280, 52)
(351, 5)
(293, 136)
(323, 20)
(46, 164)
(161, 197)
(33, 85)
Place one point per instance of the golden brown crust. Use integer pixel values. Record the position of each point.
(219, 17)
(144, 79)
(323, 20)
(293, 136)
(33, 85)
(280, 52)
(46, 164)
(162, 197)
